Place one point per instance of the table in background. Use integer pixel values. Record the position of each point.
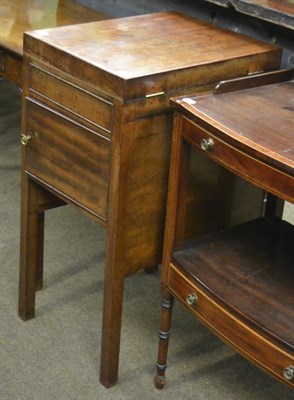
(19, 16)
(279, 12)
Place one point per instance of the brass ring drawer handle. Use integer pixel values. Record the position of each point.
(25, 139)
(289, 373)
(192, 299)
(207, 144)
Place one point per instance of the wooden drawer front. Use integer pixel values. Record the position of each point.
(229, 328)
(11, 67)
(69, 158)
(268, 178)
(68, 97)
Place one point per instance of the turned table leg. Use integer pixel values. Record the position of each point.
(164, 334)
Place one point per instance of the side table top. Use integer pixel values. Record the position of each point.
(258, 119)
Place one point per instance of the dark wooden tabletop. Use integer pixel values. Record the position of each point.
(280, 12)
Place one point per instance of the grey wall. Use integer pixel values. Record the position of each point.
(225, 17)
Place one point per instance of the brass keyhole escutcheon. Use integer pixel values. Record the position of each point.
(207, 144)
(25, 139)
(192, 299)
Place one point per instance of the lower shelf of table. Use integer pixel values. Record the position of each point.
(244, 280)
